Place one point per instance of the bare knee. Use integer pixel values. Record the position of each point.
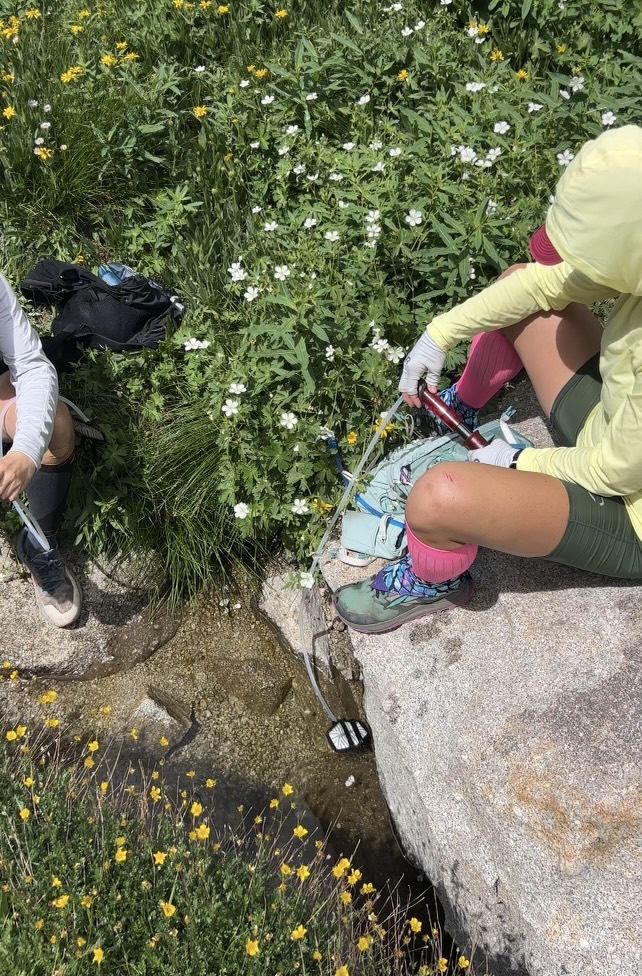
(62, 443)
(436, 498)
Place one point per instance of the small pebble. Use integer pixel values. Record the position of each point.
(350, 781)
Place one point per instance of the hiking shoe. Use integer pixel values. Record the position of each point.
(470, 415)
(58, 594)
(395, 596)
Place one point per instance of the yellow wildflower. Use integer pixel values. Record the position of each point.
(130, 56)
(364, 942)
(84, 13)
(496, 55)
(298, 933)
(346, 897)
(32, 13)
(303, 872)
(202, 831)
(21, 730)
(317, 956)
(483, 28)
(93, 746)
(196, 809)
(28, 781)
(88, 762)
(163, 741)
(11, 736)
(9, 112)
(200, 111)
(354, 876)
(99, 955)
(403, 74)
(281, 14)
(105, 709)
(261, 72)
(442, 964)
(223, 8)
(7, 76)
(341, 867)
(104, 786)
(285, 869)
(80, 942)
(368, 889)
(287, 790)
(168, 908)
(562, 48)
(300, 831)
(55, 882)
(121, 45)
(86, 901)
(522, 74)
(48, 697)
(205, 4)
(133, 734)
(462, 962)
(210, 783)
(415, 924)
(120, 855)
(61, 902)
(25, 814)
(76, 29)
(192, 773)
(159, 858)
(274, 803)
(342, 971)
(109, 60)
(252, 947)
(50, 723)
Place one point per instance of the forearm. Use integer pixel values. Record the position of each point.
(534, 288)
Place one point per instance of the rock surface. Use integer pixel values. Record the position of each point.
(508, 737)
(114, 631)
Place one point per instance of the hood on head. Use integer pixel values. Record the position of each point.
(595, 222)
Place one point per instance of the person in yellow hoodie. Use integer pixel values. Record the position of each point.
(580, 503)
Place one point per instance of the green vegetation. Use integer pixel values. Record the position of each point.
(315, 181)
(110, 870)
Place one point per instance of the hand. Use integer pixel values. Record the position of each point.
(424, 359)
(498, 452)
(16, 471)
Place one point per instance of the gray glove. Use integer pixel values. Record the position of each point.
(425, 359)
(498, 452)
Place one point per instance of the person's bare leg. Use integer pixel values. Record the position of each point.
(61, 445)
(518, 512)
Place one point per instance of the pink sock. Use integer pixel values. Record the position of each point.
(492, 361)
(438, 565)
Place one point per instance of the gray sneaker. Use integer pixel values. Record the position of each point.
(58, 594)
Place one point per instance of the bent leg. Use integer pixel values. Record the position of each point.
(518, 512)
(62, 442)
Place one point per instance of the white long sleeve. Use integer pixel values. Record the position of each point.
(33, 377)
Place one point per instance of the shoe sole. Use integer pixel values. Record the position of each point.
(456, 599)
(58, 620)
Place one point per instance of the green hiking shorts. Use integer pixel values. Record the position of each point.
(599, 536)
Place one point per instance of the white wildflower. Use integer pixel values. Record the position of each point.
(420, 25)
(329, 353)
(241, 510)
(39, 141)
(312, 177)
(244, 83)
(348, 146)
(380, 344)
(501, 128)
(200, 68)
(332, 236)
(299, 169)
(281, 272)
(378, 167)
(236, 272)
(288, 420)
(230, 407)
(46, 108)
(45, 125)
(306, 581)
(475, 86)
(270, 225)
(267, 99)
(565, 94)
(343, 204)
(395, 151)
(312, 97)
(608, 118)
(309, 223)
(472, 31)
(372, 216)
(576, 84)
(564, 158)
(491, 207)
(251, 293)
(192, 344)
(363, 100)
(256, 209)
(376, 144)
(255, 144)
(535, 107)
(336, 177)
(395, 354)
(283, 150)
(237, 388)
(300, 507)
(414, 218)
(33, 103)
(467, 154)
(291, 130)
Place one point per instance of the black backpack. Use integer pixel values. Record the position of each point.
(123, 317)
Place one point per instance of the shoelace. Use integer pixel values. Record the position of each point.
(49, 570)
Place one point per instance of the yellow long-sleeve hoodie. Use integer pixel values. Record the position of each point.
(595, 224)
